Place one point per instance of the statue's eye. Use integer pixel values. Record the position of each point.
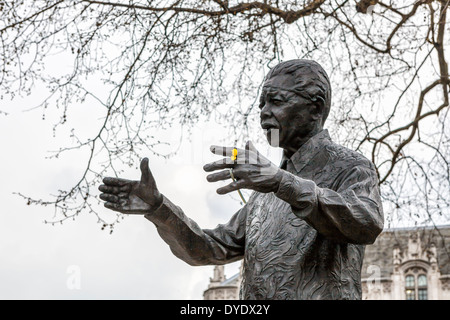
(276, 101)
(271, 99)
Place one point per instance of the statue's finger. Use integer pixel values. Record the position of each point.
(109, 197)
(109, 189)
(111, 181)
(219, 164)
(113, 206)
(247, 155)
(114, 189)
(236, 185)
(224, 151)
(222, 175)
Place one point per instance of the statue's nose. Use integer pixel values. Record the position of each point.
(265, 112)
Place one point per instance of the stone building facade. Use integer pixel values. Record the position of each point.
(408, 264)
(402, 264)
(221, 288)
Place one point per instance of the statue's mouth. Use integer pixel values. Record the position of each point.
(268, 126)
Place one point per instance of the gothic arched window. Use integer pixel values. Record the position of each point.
(410, 287)
(416, 284)
(422, 287)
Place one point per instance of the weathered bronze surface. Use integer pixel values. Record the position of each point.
(303, 232)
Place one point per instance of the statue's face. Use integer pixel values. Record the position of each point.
(285, 111)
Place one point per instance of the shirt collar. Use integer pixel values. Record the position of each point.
(306, 152)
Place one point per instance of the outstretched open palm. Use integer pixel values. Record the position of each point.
(132, 197)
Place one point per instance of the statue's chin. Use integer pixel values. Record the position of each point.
(273, 139)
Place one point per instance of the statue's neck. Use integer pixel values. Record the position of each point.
(300, 141)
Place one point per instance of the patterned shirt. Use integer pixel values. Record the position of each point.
(305, 241)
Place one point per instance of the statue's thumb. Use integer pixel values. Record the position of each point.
(249, 146)
(146, 176)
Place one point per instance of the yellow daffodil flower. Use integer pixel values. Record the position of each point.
(234, 154)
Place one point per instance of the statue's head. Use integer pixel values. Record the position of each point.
(295, 100)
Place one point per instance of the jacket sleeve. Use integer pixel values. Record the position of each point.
(197, 246)
(351, 214)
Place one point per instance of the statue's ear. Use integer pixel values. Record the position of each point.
(316, 109)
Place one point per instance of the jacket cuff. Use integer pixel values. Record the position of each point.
(300, 193)
(159, 215)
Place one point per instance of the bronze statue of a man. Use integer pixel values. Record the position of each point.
(303, 232)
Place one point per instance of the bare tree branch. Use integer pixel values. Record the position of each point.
(178, 62)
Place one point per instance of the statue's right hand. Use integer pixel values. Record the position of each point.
(132, 197)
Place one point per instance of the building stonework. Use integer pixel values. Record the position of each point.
(402, 264)
(221, 288)
(408, 264)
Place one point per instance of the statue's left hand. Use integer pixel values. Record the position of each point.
(251, 170)
(132, 197)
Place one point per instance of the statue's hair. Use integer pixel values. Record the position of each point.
(311, 81)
